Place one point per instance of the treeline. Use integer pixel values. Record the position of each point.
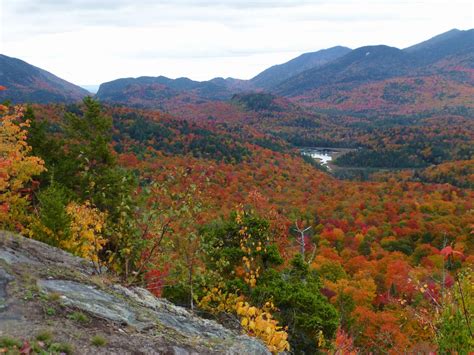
(257, 102)
(302, 260)
(408, 156)
(380, 159)
(175, 137)
(67, 189)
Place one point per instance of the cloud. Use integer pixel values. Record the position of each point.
(91, 41)
(74, 5)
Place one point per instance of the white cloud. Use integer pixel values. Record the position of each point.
(92, 41)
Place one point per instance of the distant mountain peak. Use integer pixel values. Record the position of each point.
(433, 41)
(281, 72)
(380, 62)
(27, 83)
(153, 92)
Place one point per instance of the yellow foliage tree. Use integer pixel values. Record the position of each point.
(87, 226)
(257, 322)
(248, 246)
(17, 169)
(215, 301)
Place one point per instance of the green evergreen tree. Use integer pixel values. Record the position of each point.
(53, 220)
(364, 247)
(296, 293)
(48, 146)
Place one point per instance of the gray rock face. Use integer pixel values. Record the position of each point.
(5, 278)
(136, 322)
(147, 312)
(91, 300)
(184, 322)
(15, 249)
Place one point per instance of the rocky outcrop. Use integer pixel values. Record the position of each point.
(46, 289)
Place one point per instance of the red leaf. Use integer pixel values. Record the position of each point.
(26, 348)
(448, 251)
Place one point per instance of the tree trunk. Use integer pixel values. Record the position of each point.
(302, 245)
(191, 290)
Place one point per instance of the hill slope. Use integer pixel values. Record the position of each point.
(162, 92)
(361, 65)
(328, 77)
(27, 83)
(455, 40)
(35, 277)
(278, 73)
(453, 50)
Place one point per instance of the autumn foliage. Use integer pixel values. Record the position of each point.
(17, 169)
(86, 231)
(202, 210)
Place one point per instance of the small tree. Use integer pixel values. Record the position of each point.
(239, 248)
(301, 237)
(87, 227)
(88, 138)
(53, 223)
(17, 169)
(81, 162)
(186, 241)
(311, 319)
(455, 325)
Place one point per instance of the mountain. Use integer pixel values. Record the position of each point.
(335, 71)
(27, 83)
(434, 40)
(158, 92)
(454, 43)
(162, 92)
(278, 73)
(439, 55)
(453, 36)
(360, 65)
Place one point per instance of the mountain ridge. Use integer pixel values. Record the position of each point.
(450, 54)
(27, 83)
(360, 65)
(375, 63)
(280, 72)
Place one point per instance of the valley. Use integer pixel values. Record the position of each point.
(323, 206)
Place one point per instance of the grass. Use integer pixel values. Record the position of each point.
(44, 336)
(42, 345)
(50, 311)
(54, 297)
(6, 342)
(98, 340)
(29, 295)
(79, 317)
(61, 348)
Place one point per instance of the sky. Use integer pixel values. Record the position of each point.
(88, 42)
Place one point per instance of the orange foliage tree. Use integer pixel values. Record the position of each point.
(17, 169)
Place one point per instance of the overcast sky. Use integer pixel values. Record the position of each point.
(93, 41)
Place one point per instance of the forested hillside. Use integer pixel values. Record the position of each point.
(276, 74)
(27, 83)
(210, 218)
(199, 191)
